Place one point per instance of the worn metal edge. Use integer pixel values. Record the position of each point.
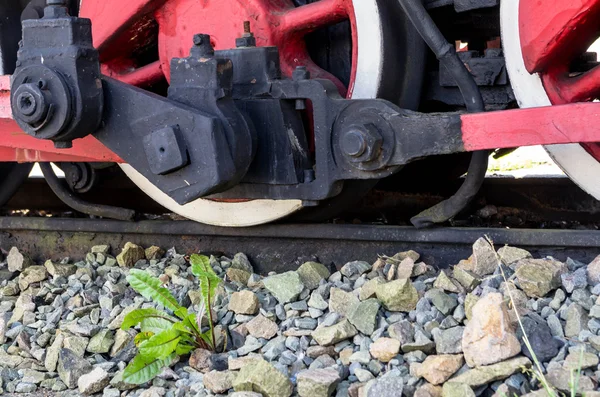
(375, 233)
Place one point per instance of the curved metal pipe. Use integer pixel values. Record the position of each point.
(69, 198)
(448, 58)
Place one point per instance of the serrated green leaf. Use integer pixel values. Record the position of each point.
(182, 350)
(141, 337)
(156, 325)
(160, 345)
(151, 288)
(135, 317)
(202, 269)
(143, 369)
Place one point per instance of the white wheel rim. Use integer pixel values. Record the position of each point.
(573, 159)
(255, 212)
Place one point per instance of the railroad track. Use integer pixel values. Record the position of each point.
(542, 214)
(282, 247)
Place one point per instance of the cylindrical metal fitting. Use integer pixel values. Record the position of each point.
(354, 143)
(202, 45)
(26, 103)
(30, 104)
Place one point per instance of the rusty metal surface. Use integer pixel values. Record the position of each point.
(284, 247)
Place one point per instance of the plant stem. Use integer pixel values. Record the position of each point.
(210, 320)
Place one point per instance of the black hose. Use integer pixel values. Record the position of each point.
(69, 198)
(448, 58)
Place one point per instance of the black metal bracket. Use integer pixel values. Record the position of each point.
(187, 148)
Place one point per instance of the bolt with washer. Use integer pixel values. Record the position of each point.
(247, 39)
(362, 143)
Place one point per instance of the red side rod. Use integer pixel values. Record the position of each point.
(573, 123)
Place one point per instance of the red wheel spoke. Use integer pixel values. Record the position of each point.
(317, 72)
(555, 30)
(113, 17)
(141, 77)
(564, 89)
(307, 18)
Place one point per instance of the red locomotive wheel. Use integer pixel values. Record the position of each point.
(138, 38)
(544, 43)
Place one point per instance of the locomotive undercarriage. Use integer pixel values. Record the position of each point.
(242, 126)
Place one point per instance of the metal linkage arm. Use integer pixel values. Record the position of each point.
(418, 135)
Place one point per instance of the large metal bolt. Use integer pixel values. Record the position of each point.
(247, 31)
(354, 143)
(247, 39)
(300, 73)
(202, 46)
(362, 143)
(56, 9)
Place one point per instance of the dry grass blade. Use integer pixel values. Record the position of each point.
(575, 379)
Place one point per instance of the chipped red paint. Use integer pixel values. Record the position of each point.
(273, 22)
(20, 147)
(141, 77)
(555, 30)
(111, 18)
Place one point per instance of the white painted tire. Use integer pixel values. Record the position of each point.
(573, 159)
(367, 84)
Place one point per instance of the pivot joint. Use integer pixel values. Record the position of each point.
(56, 91)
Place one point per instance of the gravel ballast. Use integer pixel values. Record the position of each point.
(374, 327)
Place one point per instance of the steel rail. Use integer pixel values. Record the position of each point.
(283, 246)
(373, 233)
